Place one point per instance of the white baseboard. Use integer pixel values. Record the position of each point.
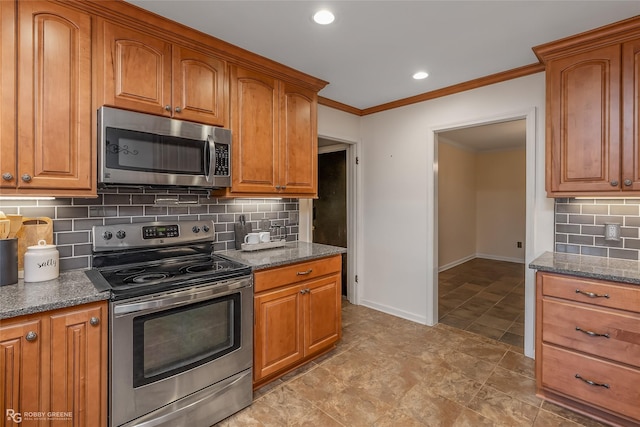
(456, 263)
(395, 312)
(501, 258)
(483, 256)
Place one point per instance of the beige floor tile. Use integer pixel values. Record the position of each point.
(485, 331)
(424, 405)
(570, 415)
(515, 385)
(547, 419)
(519, 363)
(469, 418)
(503, 409)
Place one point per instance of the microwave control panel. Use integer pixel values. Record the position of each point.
(222, 155)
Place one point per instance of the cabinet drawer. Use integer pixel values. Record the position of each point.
(281, 276)
(560, 323)
(597, 292)
(559, 370)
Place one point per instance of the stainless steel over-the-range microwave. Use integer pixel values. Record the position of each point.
(145, 150)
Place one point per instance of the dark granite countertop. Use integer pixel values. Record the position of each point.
(69, 289)
(617, 270)
(289, 254)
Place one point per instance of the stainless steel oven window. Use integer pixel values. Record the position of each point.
(168, 342)
(147, 152)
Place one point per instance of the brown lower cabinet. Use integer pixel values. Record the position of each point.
(297, 315)
(588, 346)
(55, 363)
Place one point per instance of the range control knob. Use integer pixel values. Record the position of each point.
(195, 229)
(120, 234)
(107, 235)
(205, 228)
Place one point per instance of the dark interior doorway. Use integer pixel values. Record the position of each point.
(330, 208)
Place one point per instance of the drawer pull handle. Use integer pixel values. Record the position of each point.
(591, 294)
(304, 273)
(593, 383)
(591, 333)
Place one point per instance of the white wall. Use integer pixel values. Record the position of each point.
(397, 263)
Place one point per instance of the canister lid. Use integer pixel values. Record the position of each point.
(41, 246)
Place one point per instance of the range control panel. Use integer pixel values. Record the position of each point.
(151, 234)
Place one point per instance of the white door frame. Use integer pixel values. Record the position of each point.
(305, 232)
(530, 250)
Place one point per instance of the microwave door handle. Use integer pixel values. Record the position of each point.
(211, 150)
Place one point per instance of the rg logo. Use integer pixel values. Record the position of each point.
(14, 416)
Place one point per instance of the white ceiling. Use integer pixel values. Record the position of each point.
(492, 137)
(373, 48)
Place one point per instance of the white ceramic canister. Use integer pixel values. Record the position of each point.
(41, 262)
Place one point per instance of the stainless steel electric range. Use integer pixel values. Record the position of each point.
(181, 324)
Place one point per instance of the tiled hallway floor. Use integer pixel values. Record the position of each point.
(485, 297)
(388, 371)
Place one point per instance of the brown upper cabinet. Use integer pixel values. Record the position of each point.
(149, 74)
(593, 101)
(47, 146)
(274, 125)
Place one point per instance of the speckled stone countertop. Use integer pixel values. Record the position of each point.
(69, 289)
(617, 270)
(289, 254)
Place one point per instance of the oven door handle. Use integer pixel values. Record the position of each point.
(184, 297)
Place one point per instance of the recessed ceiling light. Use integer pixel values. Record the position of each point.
(323, 17)
(420, 75)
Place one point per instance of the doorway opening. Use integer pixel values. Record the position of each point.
(331, 218)
(481, 228)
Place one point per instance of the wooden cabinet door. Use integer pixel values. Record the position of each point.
(55, 127)
(254, 123)
(631, 115)
(136, 69)
(278, 330)
(322, 313)
(21, 373)
(199, 87)
(79, 364)
(583, 129)
(298, 140)
(7, 94)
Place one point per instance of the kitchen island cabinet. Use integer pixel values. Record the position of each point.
(593, 112)
(149, 74)
(588, 346)
(297, 315)
(48, 150)
(57, 362)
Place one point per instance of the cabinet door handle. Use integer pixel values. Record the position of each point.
(167, 107)
(614, 183)
(593, 383)
(305, 291)
(628, 182)
(7, 176)
(31, 336)
(277, 187)
(26, 177)
(178, 109)
(591, 333)
(284, 187)
(94, 321)
(304, 273)
(591, 294)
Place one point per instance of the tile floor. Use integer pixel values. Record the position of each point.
(388, 371)
(485, 297)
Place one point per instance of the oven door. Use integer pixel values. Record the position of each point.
(165, 347)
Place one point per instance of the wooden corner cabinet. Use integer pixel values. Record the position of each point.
(588, 346)
(297, 315)
(593, 112)
(47, 141)
(274, 125)
(56, 362)
(150, 74)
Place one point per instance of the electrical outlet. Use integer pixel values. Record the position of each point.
(293, 218)
(519, 244)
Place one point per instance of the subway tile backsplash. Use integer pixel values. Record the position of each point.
(74, 217)
(580, 227)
